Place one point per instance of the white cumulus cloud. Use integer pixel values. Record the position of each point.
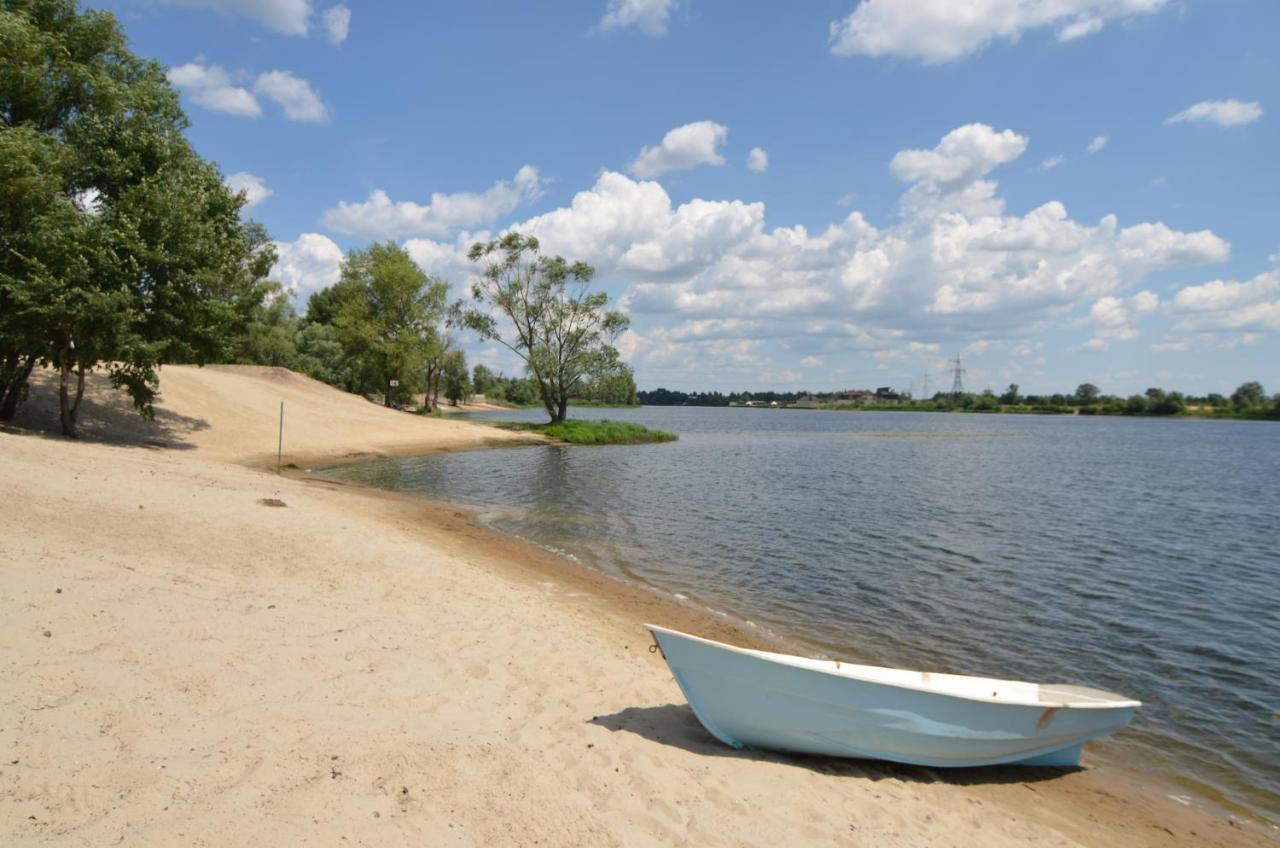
(963, 155)
(1113, 318)
(631, 225)
(1224, 113)
(758, 160)
(1099, 142)
(946, 30)
(294, 94)
(380, 217)
(337, 23)
(648, 16)
(1051, 163)
(1230, 305)
(254, 188)
(288, 17)
(708, 282)
(681, 148)
(211, 87)
(307, 264)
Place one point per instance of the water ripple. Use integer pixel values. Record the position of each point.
(1139, 556)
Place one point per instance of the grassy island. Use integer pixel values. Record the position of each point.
(594, 432)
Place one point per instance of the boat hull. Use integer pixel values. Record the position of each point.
(748, 700)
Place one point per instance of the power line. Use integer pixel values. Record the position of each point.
(957, 377)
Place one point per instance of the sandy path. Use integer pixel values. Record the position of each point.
(354, 668)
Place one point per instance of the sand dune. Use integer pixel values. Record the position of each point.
(182, 664)
(232, 413)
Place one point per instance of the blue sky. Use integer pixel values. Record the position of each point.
(1059, 191)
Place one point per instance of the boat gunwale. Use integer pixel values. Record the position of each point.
(846, 671)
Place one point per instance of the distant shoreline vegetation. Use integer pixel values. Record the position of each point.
(1249, 401)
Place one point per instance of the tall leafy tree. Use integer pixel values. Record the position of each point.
(120, 245)
(543, 310)
(611, 383)
(457, 382)
(1249, 395)
(388, 315)
(1087, 394)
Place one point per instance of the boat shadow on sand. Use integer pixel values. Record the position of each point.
(676, 725)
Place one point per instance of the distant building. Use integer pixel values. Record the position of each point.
(807, 402)
(855, 396)
(887, 393)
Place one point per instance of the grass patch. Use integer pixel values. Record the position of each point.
(594, 432)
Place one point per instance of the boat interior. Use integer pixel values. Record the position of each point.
(990, 690)
(963, 686)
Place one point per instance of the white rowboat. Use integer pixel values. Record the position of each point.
(779, 702)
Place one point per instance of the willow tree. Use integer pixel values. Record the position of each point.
(119, 245)
(542, 309)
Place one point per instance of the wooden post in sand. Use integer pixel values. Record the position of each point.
(280, 444)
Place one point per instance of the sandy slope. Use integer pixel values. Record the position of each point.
(232, 412)
(181, 664)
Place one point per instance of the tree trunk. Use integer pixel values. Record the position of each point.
(64, 396)
(386, 397)
(548, 402)
(13, 389)
(75, 407)
(562, 410)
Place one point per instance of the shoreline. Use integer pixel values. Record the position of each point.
(180, 658)
(625, 598)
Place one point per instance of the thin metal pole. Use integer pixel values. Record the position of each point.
(280, 444)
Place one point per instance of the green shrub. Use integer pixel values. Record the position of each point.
(595, 432)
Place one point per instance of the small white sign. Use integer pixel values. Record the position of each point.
(395, 383)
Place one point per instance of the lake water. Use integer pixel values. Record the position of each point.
(1141, 556)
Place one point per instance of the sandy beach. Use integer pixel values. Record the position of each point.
(196, 651)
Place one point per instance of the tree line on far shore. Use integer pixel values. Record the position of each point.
(1249, 400)
(122, 249)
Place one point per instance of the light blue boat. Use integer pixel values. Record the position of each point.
(778, 702)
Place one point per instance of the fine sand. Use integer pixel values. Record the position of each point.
(195, 651)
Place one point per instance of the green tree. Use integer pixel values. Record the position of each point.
(542, 309)
(457, 384)
(118, 243)
(1249, 395)
(483, 380)
(611, 382)
(388, 318)
(323, 306)
(986, 402)
(521, 391)
(320, 355)
(436, 360)
(1011, 396)
(1135, 405)
(1087, 394)
(270, 336)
